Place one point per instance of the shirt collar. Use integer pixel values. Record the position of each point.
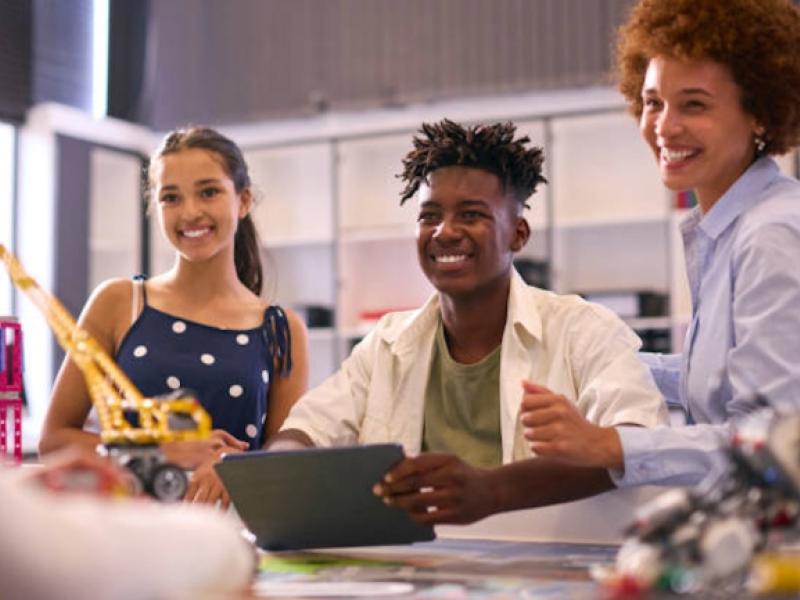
(739, 197)
(523, 315)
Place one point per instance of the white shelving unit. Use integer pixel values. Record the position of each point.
(333, 231)
(331, 219)
(333, 223)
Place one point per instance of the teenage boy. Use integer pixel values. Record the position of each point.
(446, 381)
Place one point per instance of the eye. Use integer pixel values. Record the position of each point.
(168, 198)
(652, 103)
(470, 216)
(695, 105)
(209, 192)
(427, 217)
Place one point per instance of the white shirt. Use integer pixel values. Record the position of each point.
(574, 348)
(70, 546)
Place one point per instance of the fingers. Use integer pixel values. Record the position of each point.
(529, 387)
(541, 417)
(206, 488)
(223, 438)
(411, 474)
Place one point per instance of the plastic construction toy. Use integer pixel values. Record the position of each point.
(131, 426)
(705, 540)
(11, 385)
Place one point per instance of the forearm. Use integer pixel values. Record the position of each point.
(54, 439)
(289, 439)
(540, 482)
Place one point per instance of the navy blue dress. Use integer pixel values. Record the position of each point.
(230, 370)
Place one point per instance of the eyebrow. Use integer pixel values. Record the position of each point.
(472, 203)
(461, 204)
(173, 186)
(206, 181)
(685, 91)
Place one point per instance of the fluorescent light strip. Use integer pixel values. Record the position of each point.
(100, 32)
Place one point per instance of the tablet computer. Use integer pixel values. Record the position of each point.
(317, 498)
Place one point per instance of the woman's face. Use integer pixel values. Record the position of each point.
(198, 207)
(694, 122)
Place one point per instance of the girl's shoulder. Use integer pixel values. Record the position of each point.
(294, 320)
(106, 313)
(110, 294)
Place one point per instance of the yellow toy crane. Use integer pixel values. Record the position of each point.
(131, 426)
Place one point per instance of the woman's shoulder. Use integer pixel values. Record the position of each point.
(778, 207)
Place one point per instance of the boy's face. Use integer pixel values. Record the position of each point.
(467, 231)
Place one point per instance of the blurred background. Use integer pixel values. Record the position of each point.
(323, 96)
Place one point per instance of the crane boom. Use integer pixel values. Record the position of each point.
(111, 391)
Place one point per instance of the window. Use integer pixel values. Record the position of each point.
(7, 163)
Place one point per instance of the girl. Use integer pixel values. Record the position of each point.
(202, 324)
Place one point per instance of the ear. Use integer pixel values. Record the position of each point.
(522, 233)
(245, 202)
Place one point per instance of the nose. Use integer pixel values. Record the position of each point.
(191, 208)
(668, 123)
(446, 229)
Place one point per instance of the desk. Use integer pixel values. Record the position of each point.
(454, 569)
(445, 568)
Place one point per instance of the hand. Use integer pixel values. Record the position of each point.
(438, 488)
(190, 455)
(556, 429)
(82, 471)
(205, 486)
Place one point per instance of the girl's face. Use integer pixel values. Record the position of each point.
(198, 207)
(694, 122)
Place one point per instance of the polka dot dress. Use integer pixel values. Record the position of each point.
(229, 370)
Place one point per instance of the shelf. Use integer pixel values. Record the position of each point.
(291, 243)
(321, 334)
(378, 234)
(359, 331)
(648, 322)
(627, 221)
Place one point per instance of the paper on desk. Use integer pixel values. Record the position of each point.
(308, 589)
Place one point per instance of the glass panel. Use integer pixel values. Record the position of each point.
(6, 207)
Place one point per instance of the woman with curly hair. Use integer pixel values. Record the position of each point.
(716, 88)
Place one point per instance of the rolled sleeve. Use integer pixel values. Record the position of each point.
(332, 413)
(672, 456)
(615, 387)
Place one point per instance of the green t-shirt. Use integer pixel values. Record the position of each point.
(462, 406)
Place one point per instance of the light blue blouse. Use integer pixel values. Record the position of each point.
(743, 344)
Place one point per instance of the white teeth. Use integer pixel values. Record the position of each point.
(451, 258)
(676, 155)
(195, 233)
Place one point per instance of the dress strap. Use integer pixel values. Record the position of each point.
(138, 297)
(279, 339)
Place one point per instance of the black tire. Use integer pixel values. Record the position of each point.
(169, 483)
(137, 468)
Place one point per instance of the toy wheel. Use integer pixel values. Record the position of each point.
(137, 468)
(169, 483)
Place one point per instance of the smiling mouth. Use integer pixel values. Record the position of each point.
(450, 258)
(195, 233)
(677, 156)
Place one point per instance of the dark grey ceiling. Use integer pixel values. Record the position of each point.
(239, 60)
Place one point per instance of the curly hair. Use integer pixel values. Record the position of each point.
(757, 40)
(488, 147)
